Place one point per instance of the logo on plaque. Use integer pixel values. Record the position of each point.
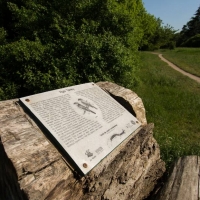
(88, 153)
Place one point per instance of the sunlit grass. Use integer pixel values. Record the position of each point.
(187, 59)
(172, 103)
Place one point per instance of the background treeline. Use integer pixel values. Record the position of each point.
(190, 33)
(46, 45)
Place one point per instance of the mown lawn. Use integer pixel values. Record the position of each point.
(187, 59)
(172, 103)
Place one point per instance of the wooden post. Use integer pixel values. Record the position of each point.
(41, 172)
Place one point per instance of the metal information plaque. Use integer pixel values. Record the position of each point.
(86, 121)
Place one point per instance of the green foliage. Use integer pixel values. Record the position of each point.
(192, 42)
(191, 29)
(158, 36)
(148, 26)
(2, 36)
(48, 45)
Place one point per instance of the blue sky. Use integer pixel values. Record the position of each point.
(173, 12)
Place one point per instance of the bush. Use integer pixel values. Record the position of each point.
(58, 44)
(192, 42)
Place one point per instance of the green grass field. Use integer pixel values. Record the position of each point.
(172, 103)
(187, 59)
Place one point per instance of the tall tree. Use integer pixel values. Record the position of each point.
(191, 29)
(157, 35)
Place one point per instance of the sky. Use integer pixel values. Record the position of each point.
(176, 13)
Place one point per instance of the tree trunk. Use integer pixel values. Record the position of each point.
(41, 172)
(183, 182)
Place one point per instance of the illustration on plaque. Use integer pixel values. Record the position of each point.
(86, 107)
(88, 153)
(86, 103)
(115, 136)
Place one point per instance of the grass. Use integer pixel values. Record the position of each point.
(172, 103)
(187, 59)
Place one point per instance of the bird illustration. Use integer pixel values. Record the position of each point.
(86, 103)
(85, 108)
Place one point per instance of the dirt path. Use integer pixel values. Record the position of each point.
(196, 78)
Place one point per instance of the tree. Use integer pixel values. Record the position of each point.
(51, 44)
(191, 29)
(158, 36)
(149, 26)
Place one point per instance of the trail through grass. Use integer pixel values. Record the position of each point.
(172, 103)
(187, 59)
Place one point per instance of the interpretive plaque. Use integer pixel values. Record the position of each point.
(86, 121)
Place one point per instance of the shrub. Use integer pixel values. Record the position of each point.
(192, 42)
(57, 44)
